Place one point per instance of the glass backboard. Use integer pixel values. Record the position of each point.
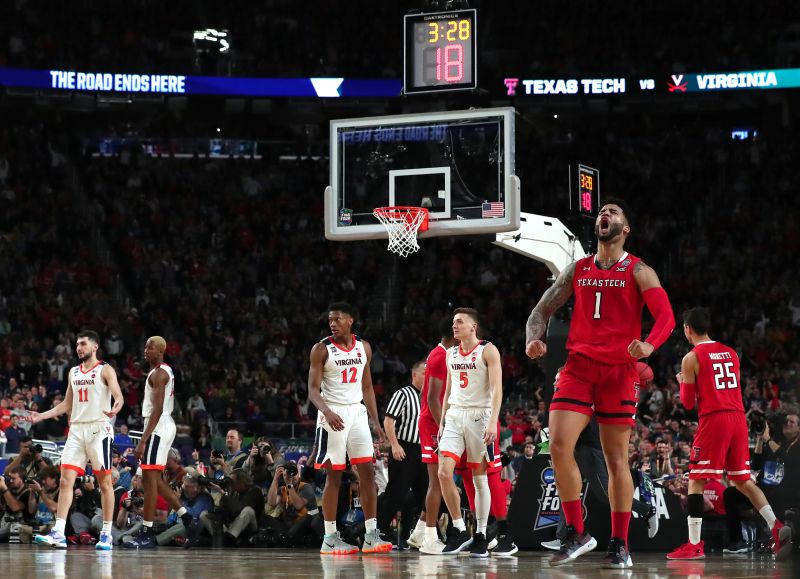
(458, 164)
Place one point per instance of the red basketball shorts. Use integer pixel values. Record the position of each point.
(428, 442)
(721, 445)
(610, 391)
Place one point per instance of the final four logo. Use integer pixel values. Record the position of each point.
(549, 504)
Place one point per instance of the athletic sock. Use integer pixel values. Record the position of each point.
(420, 528)
(768, 515)
(573, 514)
(483, 501)
(60, 526)
(106, 527)
(330, 528)
(619, 525)
(459, 524)
(695, 525)
(371, 524)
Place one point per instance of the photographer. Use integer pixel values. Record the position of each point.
(14, 501)
(196, 500)
(262, 461)
(173, 471)
(292, 506)
(779, 463)
(85, 506)
(42, 502)
(238, 511)
(131, 511)
(29, 458)
(218, 468)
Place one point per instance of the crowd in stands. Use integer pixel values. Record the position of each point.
(226, 258)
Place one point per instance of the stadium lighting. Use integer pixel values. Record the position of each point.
(216, 36)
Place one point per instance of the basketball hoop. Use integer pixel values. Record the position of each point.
(402, 224)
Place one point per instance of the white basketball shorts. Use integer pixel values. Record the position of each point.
(157, 447)
(354, 441)
(464, 429)
(88, 442)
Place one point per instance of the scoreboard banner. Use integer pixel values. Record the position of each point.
(435, 64)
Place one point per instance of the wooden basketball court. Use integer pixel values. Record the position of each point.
(23, 561)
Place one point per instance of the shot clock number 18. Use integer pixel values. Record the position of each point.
(440, 51)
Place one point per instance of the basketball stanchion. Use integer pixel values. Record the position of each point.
(403, 224)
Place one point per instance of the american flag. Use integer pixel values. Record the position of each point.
(494, 209)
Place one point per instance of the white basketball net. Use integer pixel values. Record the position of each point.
(402, 224)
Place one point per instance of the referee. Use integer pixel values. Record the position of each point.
(406, 471)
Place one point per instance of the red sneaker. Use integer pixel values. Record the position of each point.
(781, 540)
(86, 538)
(688, 551)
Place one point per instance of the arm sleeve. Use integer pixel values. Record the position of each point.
(688, 395)
(658, 304)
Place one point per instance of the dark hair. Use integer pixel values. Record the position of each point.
(90, 334)
(25, 439)
(471, 312)
(343, 307)
(19, 470)
(699, 319)
(50, 472)
(626, 210)
(446, 328)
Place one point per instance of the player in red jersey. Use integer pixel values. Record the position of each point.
(603, 345)
(430, 415)
(709, 378)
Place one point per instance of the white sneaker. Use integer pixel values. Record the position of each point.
(106, 543)
(432, 547)
(416, 539)
(553, 545)
(54, 539)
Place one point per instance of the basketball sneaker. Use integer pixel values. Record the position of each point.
(651, 518)
(688, 551)
(54, 539)
(505, 547)
(106, 543)
(457, 542)
(432, 547)
(479, 546)
(617, 555)
(334, 545)
(740, 547)
(553, 545)
(782, 541)
(142, 542)
(374, 544)
(573, 546)
(416, 539)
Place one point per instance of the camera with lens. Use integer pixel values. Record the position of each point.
(31, 480)
(37, 449)
(224, 483)
(758, 422)
(84, 479)
(505, 460)
(264, 448)
(290, 469)
(217, 454)
(137, 502)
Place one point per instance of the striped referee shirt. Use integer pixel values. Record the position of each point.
(404, 408)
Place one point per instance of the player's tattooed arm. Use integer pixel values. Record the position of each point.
(646, 277)
(555, 297)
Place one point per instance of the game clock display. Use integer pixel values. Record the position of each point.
(586, 187)
(440, 50)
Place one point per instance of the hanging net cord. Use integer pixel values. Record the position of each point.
(402, 224)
